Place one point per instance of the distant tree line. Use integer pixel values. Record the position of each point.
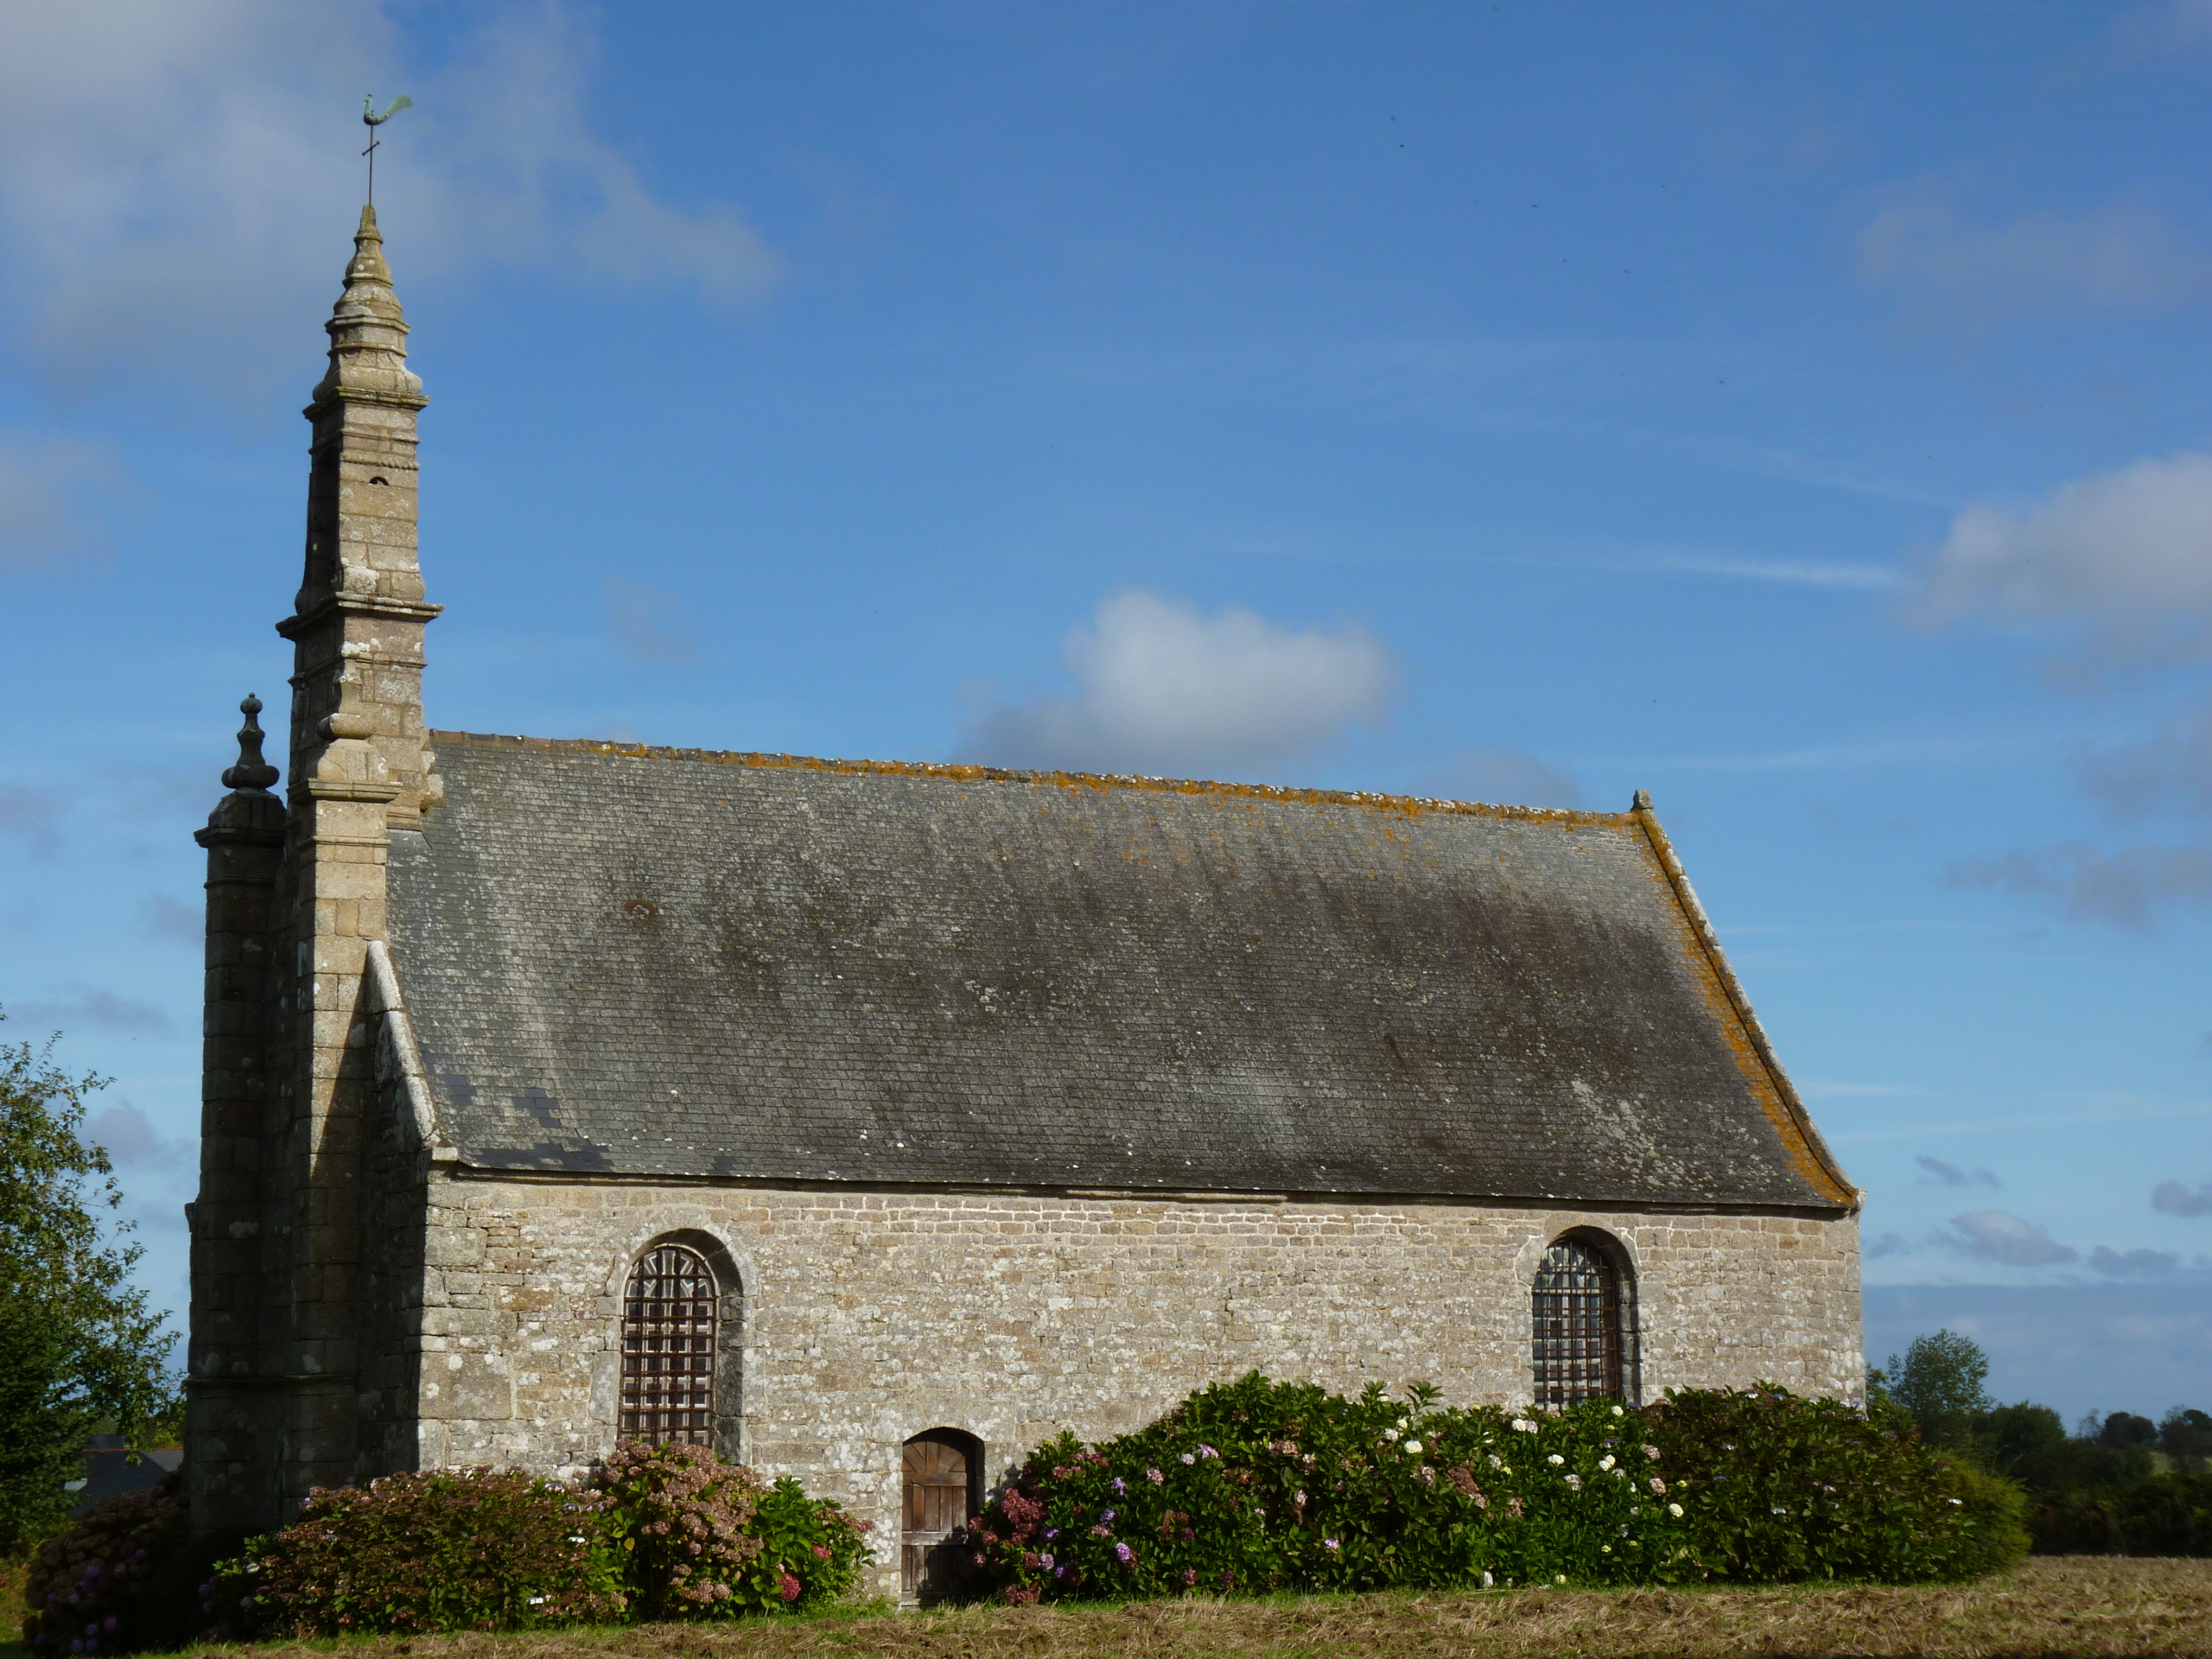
(2118, 1483)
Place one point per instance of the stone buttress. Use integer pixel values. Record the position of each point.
(360, 770)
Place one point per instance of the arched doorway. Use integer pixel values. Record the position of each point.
(943, 1485)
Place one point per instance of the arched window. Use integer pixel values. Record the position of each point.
(1579, 1324)
(668, 1348)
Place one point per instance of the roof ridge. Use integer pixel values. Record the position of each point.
(951, 771)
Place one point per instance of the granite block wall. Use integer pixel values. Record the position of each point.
(864, 1318)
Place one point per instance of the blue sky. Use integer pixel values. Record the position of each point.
(1804, 413)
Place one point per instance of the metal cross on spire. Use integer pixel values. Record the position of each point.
(372, 121)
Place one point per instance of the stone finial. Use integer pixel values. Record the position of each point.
(368, 266)
(251, 771)
(1641, 803)
(368, 332)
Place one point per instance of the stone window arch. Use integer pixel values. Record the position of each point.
(1583, 1309)
(679, 1346)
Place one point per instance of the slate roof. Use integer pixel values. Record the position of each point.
(673, 963)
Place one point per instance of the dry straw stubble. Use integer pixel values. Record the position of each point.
(2091, 1606)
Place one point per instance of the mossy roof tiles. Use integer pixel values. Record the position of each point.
(676, 963)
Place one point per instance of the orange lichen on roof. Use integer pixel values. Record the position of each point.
(1405, 805)
(1747, 1039)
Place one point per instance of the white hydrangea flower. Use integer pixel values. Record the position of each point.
(1605, 1462)
(1414, 1446)
(1675, 1509)
(1554, 1457)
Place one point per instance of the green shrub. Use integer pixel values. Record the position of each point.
(97, 1588)
(478, 1549)
(1255, 1485)
(1786, 1488)
(2167, 1515)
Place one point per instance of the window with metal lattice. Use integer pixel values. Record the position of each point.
(1577, 1324)
(668, 1311)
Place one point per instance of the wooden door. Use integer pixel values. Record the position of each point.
(939, 1471)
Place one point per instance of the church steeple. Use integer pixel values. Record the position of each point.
(358, 617)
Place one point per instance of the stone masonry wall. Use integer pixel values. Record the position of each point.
(867, 1318)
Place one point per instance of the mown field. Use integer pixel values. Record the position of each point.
(2088, 1605)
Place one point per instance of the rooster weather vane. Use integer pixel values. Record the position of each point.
(372, 121)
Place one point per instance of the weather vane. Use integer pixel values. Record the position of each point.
(372, 121)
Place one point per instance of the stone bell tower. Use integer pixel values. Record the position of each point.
(280, 1259)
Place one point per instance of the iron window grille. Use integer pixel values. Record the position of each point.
(668, 1311)
(1577, 1324)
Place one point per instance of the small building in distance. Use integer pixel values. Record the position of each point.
(871, 1122)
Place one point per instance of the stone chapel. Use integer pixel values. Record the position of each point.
(871, 1122)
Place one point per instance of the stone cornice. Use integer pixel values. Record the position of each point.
(356, 605)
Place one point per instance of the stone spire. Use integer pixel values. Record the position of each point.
(359, 774)
(358, 620)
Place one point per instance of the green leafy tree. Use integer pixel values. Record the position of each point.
(2185, 1435)
(78, 1347)
(1941, 1382)
(2124, 1428)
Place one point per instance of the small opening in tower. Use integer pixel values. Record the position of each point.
(379, 481)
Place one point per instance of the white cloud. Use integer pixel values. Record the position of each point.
(1162, 688)
(1993, 1235)
(1505, 778)
(174, 178)
(1941, 266)
(2175, 1199)
(2128, 553)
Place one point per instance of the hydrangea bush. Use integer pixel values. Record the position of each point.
(92, 1589)
(1255, 1486)
(704, 1539)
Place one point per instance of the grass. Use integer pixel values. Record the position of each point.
(2091, 1606)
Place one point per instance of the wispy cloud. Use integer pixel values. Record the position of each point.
(1162, 688)
(1502, 776)
(1795, 573)
(643, 622)
(1946, 269)
(91, 1006)
(1939, 1174)
(49, 491)
(2123, 888)
(1829, 1088)
(2133, 1264)
(1994, 1235)
(169, 919)
(131, 1141)
(32, 814)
